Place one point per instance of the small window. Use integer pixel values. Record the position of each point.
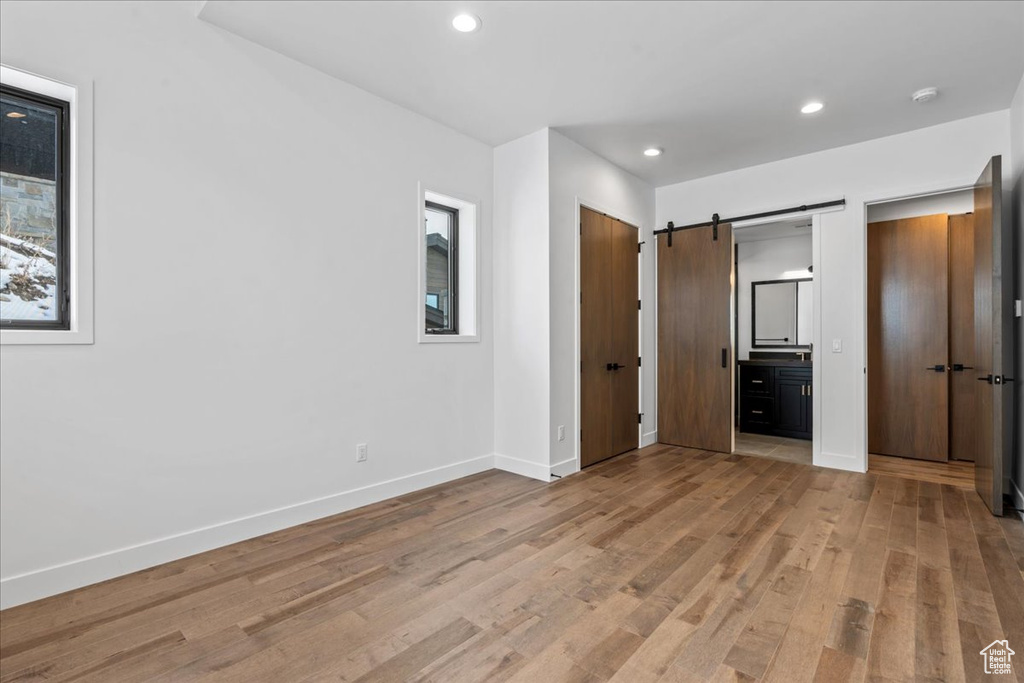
(34, 196)
(442, 268)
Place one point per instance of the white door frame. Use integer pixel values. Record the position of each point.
(914, 192)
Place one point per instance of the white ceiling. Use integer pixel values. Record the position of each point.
(717, 84)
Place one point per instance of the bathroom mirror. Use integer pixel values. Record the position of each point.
(781, 313)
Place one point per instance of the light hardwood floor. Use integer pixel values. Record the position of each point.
(774, 447)
(663, 564)
(955, 472)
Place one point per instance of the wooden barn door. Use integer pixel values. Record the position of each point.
(609, 337)
(695, 354)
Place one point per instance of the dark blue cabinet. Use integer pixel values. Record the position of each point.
(776, 399)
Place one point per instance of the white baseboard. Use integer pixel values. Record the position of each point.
(16, 590)
(564, 468)
(649, 439)
(526, 468)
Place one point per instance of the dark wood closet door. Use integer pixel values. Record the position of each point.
(625, 332)
(609, 345)
(695, 359)
(993, 336)
(908, 351)
(595, 340)
(962, 380)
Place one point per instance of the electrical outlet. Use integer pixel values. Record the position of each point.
(360, 452)
(837, 346)
(561, 432)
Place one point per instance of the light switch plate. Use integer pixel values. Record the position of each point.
(837, 346)
(1016, 308)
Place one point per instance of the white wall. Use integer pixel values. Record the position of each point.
(952, 203)
(578, 176)
(255, 253)
(776, 259)
(941, 157)
(540, 181)
(521, 306)
(1015, 186)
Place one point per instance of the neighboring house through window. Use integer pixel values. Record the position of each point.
(34, 198)
(442, 268)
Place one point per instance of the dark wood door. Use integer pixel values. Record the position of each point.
(595, 340)
(695, 355)
(609, 337)
(993, 336)
(908, 350)
(625, 335)
(809, 410)
(791, 404)
(962, 379)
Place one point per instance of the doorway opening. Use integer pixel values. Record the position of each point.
(773, 327)
(920, 286)
(939, 332)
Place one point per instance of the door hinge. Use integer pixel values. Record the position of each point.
(714, 227)
(639, 362)
(639, 305)
(639, 418)
(581, 436)
(581, 366)
(639, 247)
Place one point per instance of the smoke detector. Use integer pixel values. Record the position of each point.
(925, 95)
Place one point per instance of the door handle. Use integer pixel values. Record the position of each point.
(936, 368)
(960, 367)
(614, 366)
(986, 378)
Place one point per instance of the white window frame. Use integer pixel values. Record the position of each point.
(79, 178)
(469, 271)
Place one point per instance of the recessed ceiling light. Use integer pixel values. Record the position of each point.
(653, 152)
(16, 115)
(466, 23)
(925, 95)
(812, 108)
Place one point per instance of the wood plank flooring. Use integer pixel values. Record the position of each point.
(957, 473)
(665, 564)
(774, 447)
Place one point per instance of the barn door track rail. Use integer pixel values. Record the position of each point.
(716, 220)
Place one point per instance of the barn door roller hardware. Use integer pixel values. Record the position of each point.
(716, 220)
